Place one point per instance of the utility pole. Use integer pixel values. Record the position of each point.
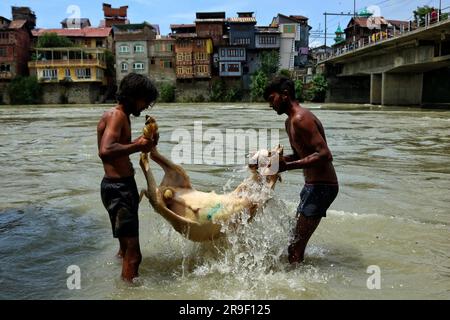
(354, 22)
(335, 14)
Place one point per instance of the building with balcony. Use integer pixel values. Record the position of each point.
(231, 60)
(242, 30)
(88, 37)
(70, 75)
(132, 48)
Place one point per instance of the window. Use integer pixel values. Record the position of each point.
(50, 74)
(84, 73)
(5, 68)
(222, 52)
(139, 48)
(124, 49)
(67, 73)
(223, 67)
(4, 35)
(152, 61)
(242, 41)
(124, 67)
(99, 44)
(3, 52)
(267, 40)
(289, 28)
(166, 64)
(138, 66)
(233, 67)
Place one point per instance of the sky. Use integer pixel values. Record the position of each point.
(165, 12)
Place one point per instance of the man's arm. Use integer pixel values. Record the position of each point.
(306, 131)
(110, 148)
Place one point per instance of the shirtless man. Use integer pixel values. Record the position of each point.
(118, 188)
(311, 153)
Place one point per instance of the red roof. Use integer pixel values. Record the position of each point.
(80, 33)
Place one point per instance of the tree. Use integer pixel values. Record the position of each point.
(420, 14)
(167, 93)
(299, 90)
(318, 88)
(52, 40)
(24, 90)
(259, 83)
(270, 63)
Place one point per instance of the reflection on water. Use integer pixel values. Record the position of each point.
(392, 210)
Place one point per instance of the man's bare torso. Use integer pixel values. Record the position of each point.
(323, 173)
(119, 167)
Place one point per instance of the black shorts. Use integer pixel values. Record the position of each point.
(315, 199)
(121, 199)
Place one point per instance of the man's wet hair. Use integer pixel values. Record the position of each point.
(135, 87)
(279, 85)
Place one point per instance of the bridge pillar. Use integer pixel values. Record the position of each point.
(376, 80)
(402, 89)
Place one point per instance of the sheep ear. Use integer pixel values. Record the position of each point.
(146, 117)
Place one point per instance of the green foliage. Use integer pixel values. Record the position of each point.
(167, 93)
(259, 83)
(318, 90)
(285, 73)
(270, 62)
(52, 40)
(421, 12)
(110, 64)
(24, 90)
(218, 91)
(299, 90)
(234, 94)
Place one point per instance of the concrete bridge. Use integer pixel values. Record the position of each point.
(410, 69)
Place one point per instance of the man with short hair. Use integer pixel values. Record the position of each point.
(311, 153)
(118, 188)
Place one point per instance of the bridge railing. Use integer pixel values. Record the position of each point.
(428, 20)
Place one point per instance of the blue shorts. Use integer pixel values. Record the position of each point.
(315, 199)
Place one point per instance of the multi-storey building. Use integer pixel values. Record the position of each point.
(87, 37)
(132, 48)
(212, 25)
(242, 30)
(162, 59)
(70, 75)
(52, 65)
(15, 42)
(294, 45)
(231, 61)
(193, 53)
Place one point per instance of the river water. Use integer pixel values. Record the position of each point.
(392, 212)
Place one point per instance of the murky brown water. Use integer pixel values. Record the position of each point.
(392, 211)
